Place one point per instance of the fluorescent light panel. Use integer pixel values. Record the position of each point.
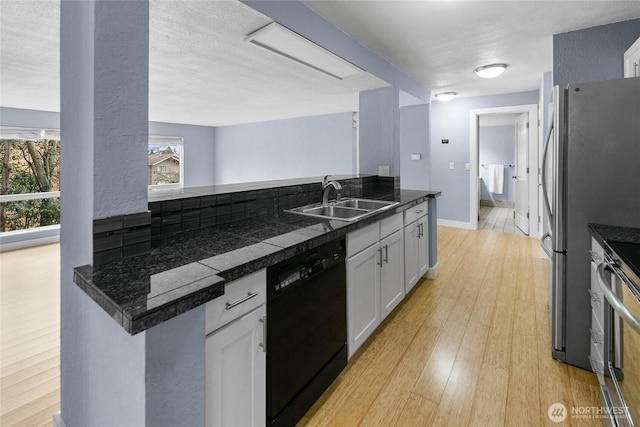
(285, 42)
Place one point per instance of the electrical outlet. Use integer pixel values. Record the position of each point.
(467, 166)
(452, 165)
(383, 170)
(416, 156)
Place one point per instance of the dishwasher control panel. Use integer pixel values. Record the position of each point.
(299, 268)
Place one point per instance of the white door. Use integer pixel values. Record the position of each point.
(522, 172)
(392, 277)
(363, 296)
(236, 366)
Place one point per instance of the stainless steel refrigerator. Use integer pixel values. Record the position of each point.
(590, 173)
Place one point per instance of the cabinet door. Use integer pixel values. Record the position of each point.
(423, 246)
(236, 373)
(392, 272)
(363, 296)
(411, 256)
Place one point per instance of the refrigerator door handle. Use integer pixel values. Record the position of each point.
(545, 191)
(546, 250)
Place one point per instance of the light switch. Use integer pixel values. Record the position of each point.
(452, 165)
(467, 166)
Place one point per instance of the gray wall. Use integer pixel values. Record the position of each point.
(198, 150)
(414, 139)
(29, 118)
(451, 120)
(281, 149)
(101, 368)
(497, 147)
(593, 54)
(379, 119)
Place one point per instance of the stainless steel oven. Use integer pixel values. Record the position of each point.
(620, 283)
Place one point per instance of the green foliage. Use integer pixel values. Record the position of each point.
(33, 167)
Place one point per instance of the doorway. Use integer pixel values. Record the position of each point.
(521, 173)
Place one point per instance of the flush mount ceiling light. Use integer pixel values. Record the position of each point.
(490, 71)
(281, 40)
(445, 96)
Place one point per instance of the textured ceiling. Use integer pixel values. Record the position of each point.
(202, 72)
(440, 43)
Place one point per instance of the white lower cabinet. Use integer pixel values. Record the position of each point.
(363, 296)
(392, 272)
(416, 245)
(236, 358)
(375, 277)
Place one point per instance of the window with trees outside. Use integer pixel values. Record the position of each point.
(165, 167)
(30, 183)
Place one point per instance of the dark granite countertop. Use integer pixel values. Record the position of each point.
(613, 233)
(186, 269)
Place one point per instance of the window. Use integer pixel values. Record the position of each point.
(165, 167)
(30, 178)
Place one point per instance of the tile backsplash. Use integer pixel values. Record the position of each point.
(125, 236)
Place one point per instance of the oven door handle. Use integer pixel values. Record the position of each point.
(617, 305)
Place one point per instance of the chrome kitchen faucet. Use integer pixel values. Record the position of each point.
(326, 186)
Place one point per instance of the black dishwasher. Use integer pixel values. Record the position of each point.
(306, 330)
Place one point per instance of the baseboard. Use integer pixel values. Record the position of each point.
(433, 272)
(58, 421)
(455, 224)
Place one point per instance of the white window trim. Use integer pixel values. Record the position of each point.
(168, 140)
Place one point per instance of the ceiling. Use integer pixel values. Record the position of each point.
(201, 71)
(440, 43)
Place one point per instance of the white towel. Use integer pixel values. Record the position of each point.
(496, 178)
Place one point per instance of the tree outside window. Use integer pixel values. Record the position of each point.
(30, 164)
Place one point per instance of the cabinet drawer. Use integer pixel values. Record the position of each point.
(390, 225)
(362, 238)
(415, 212)
(240, 297)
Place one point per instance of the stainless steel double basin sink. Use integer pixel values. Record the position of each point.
(343, 210)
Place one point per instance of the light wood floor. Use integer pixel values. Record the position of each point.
(29, 336)
(498, 219)
(469, 348)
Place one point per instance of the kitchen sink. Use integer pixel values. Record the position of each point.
(343, 210)
(365, 204)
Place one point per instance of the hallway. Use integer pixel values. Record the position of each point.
(497, 218)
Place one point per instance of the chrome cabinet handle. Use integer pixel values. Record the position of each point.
(263, 344)
(386, 254)
(380, 257)
(230, 305)
(617, 305)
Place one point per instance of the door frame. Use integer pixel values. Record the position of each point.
(534, 175)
